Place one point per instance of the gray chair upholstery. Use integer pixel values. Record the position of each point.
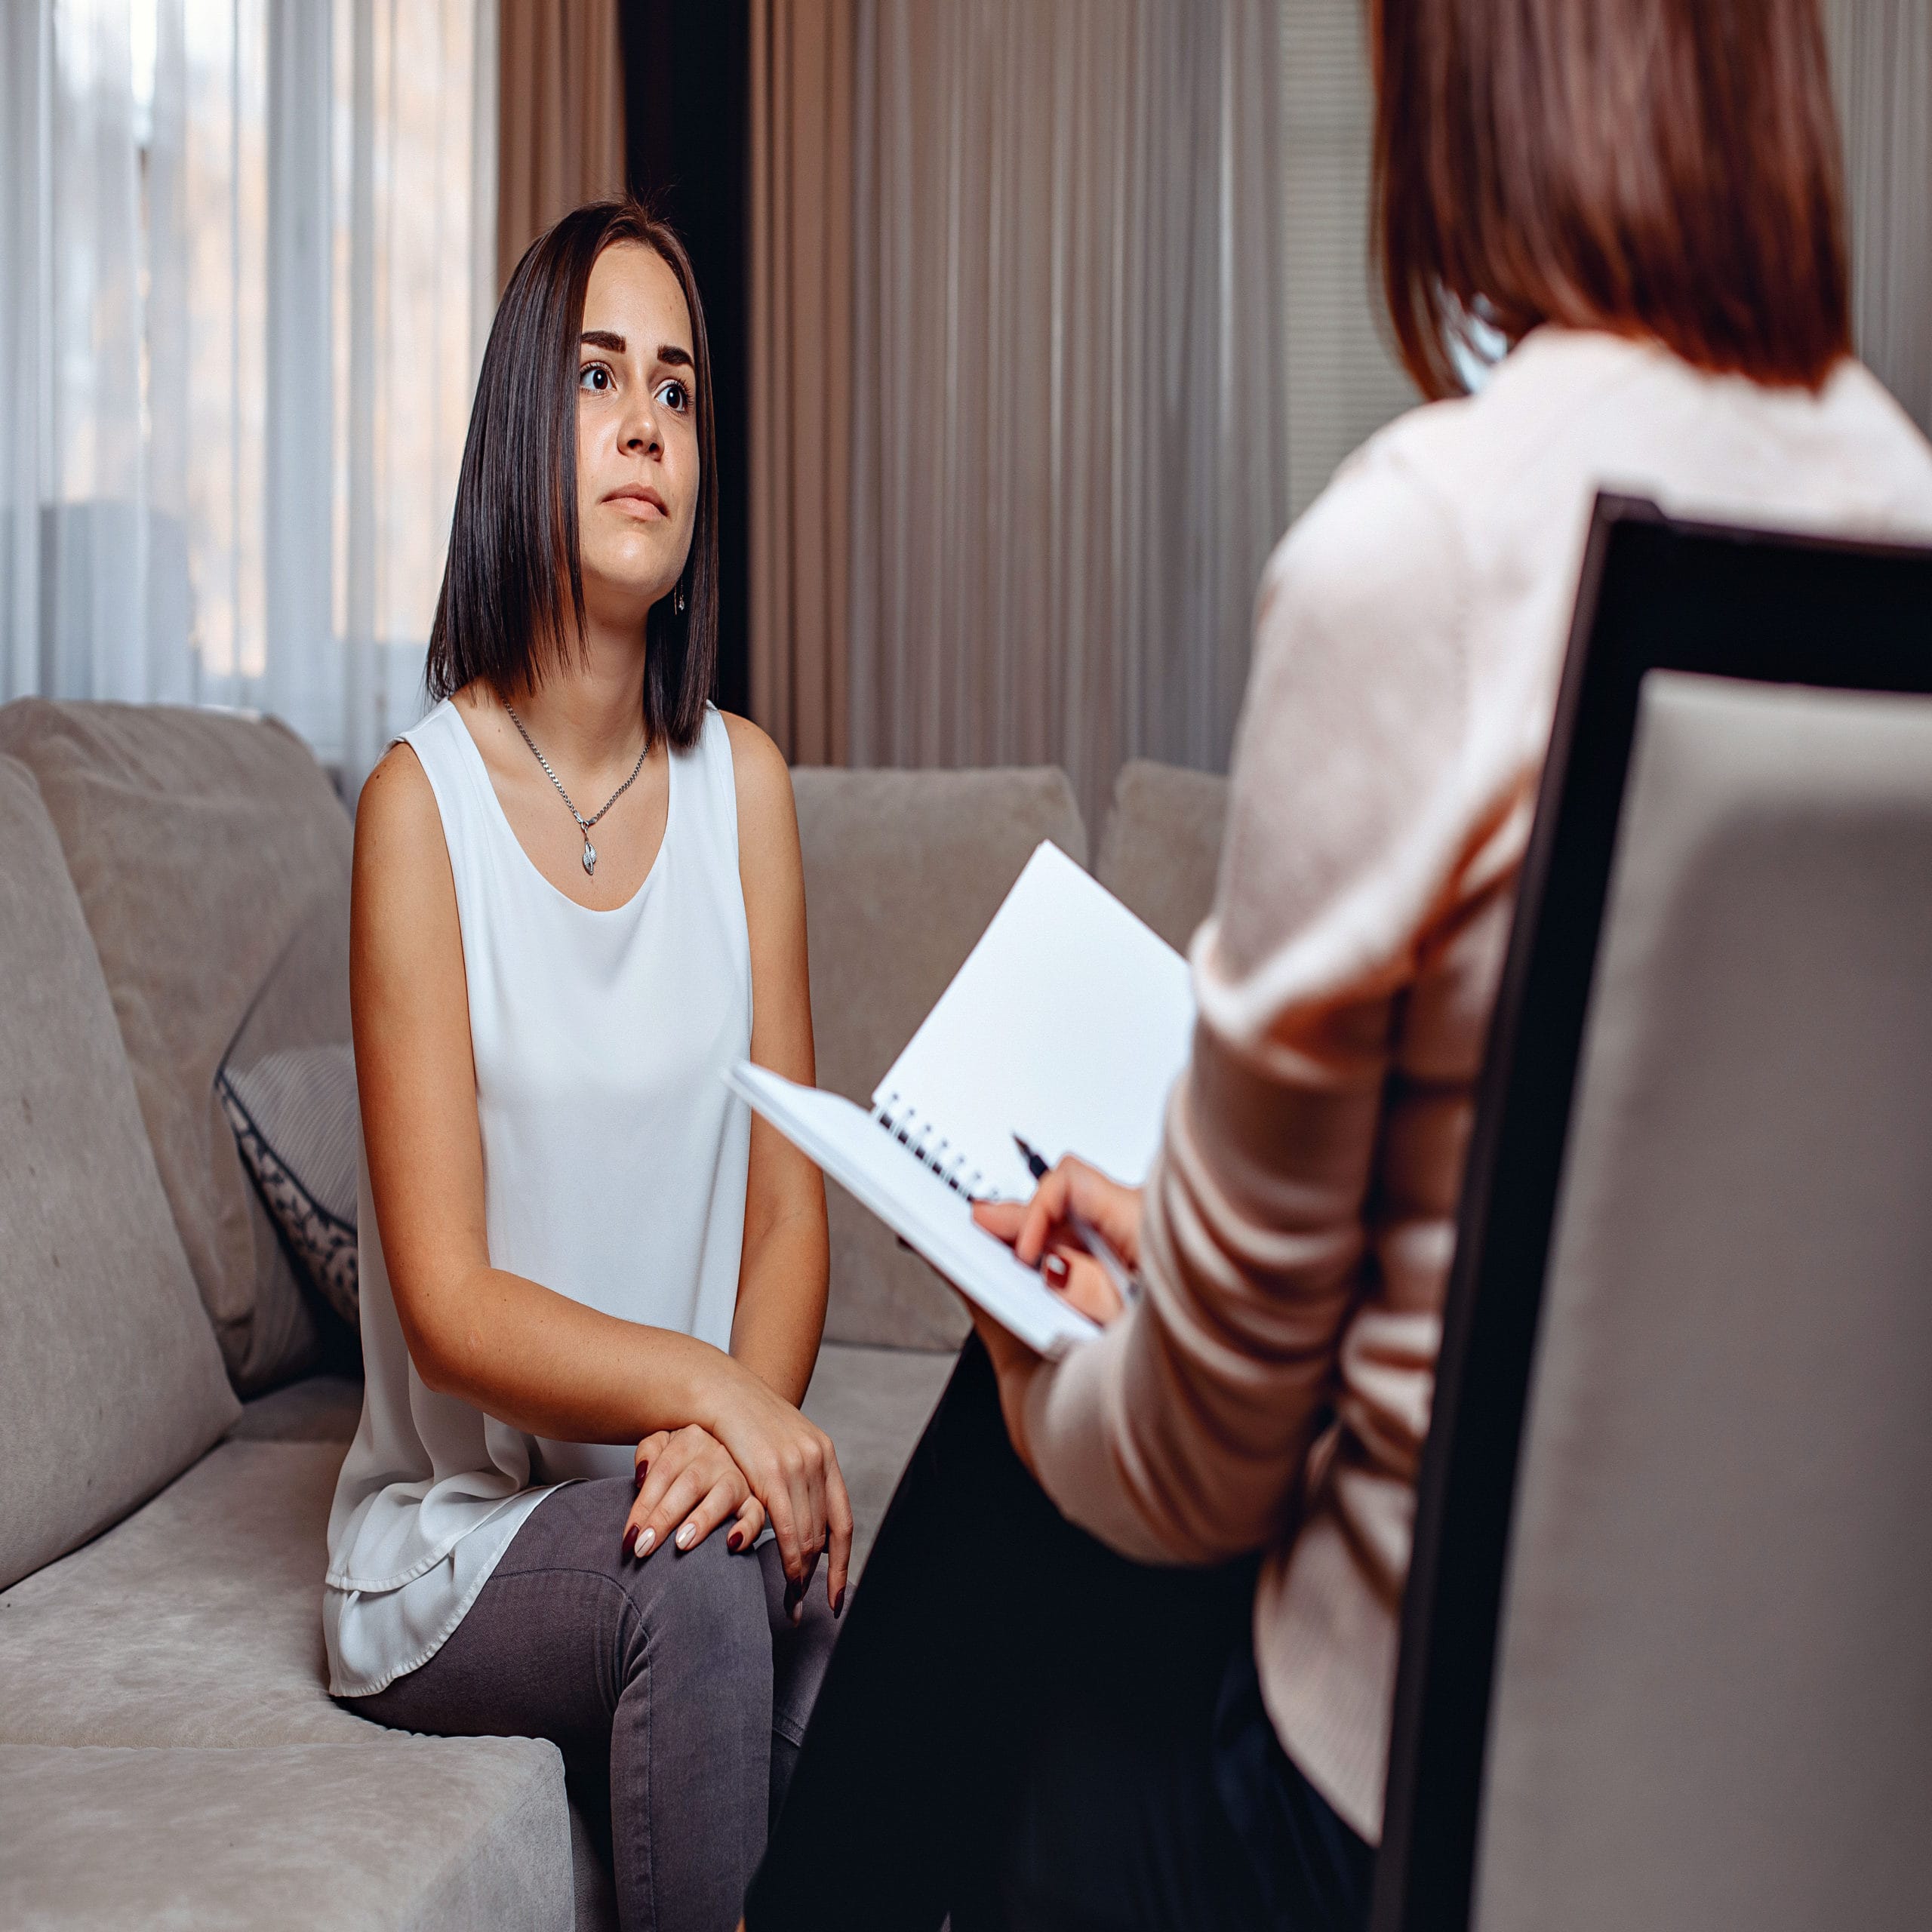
(1713, 1700)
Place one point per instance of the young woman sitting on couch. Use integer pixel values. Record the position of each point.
(1126, 1649)
(592, 1288)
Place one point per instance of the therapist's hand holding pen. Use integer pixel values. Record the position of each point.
(1046, 1232)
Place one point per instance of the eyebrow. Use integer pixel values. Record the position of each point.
(668, 353)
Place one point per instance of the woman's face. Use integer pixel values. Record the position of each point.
(637, 448)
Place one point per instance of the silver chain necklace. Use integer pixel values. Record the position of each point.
(583, 824)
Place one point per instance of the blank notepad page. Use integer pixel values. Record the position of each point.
(1069, 1023)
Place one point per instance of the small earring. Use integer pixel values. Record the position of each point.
(678, 604)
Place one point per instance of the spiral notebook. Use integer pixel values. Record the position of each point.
(1068, 1023)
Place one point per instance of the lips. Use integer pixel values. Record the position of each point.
(640, 501)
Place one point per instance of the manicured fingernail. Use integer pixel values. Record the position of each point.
(643, 1469)
(735, 1541)
(1054, 1270)
(838, 1602)
(645, 1538)
(687, 1535)
(798, 1611)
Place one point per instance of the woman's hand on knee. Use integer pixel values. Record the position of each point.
(688, 1484)
(793, 1470)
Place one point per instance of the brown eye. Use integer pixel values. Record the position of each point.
(674, 395)
(593, 376)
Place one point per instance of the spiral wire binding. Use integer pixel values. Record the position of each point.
(902, 1121)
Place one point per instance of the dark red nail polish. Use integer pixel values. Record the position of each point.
(838, 1603)
(735, 1541)
(642, 1470)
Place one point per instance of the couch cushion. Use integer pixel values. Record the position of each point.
(110, 1382)
(903, 869)
(395, 1831)
(211, 858)
(874, 1403)
(197, 1622)
(319, 1408)
(1161, 851)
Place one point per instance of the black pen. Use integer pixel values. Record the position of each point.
(1090, 1237)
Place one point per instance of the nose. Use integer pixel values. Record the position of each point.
(639, 433)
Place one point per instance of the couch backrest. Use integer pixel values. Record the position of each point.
(1161, 851)
(903, 871)
(211, 859)
(110, 1381)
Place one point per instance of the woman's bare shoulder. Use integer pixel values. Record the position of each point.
(402, 861)
(763, 779)
(396, 812)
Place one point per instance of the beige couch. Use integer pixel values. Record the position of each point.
(173, 1405)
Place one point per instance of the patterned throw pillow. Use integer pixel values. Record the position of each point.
(293, 1114)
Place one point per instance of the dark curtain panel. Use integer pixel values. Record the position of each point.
(685, 74)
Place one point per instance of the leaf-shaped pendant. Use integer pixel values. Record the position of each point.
(589, 856)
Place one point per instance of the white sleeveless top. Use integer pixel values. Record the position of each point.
(614, 1166)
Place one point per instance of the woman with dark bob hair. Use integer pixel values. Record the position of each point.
(591, 1290)
(1126, 1648)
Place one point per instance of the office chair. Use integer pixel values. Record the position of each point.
(1666, 1655)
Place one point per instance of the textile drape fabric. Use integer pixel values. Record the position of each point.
(94, 559)
(801, 131)
(560, 116)
(1881, 59)
(240, 317)
(1069, 448)
(1345, 381)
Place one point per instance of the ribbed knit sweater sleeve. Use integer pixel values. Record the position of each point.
(1183, 1434)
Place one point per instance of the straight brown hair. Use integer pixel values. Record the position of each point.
(511, 605)
(1661, 168)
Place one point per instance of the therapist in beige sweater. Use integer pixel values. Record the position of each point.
(1023, 1724)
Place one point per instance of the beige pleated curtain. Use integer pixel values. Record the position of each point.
(561, 124)
(1881, 60)
(801, 416)
(1065, 417)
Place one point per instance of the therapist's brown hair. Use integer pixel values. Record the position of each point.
(1661, 168)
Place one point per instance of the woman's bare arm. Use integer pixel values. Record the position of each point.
(782, 1280)
(536, 1359)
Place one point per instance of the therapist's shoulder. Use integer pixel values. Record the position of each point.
(1380, 558)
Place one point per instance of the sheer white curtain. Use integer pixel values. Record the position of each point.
(1069, 458)
(247, 260)
(93, 574)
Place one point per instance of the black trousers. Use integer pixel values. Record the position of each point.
(1024, 1730)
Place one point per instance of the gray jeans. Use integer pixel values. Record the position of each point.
(676, 1688)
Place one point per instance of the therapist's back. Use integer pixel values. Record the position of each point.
(1641, 195)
